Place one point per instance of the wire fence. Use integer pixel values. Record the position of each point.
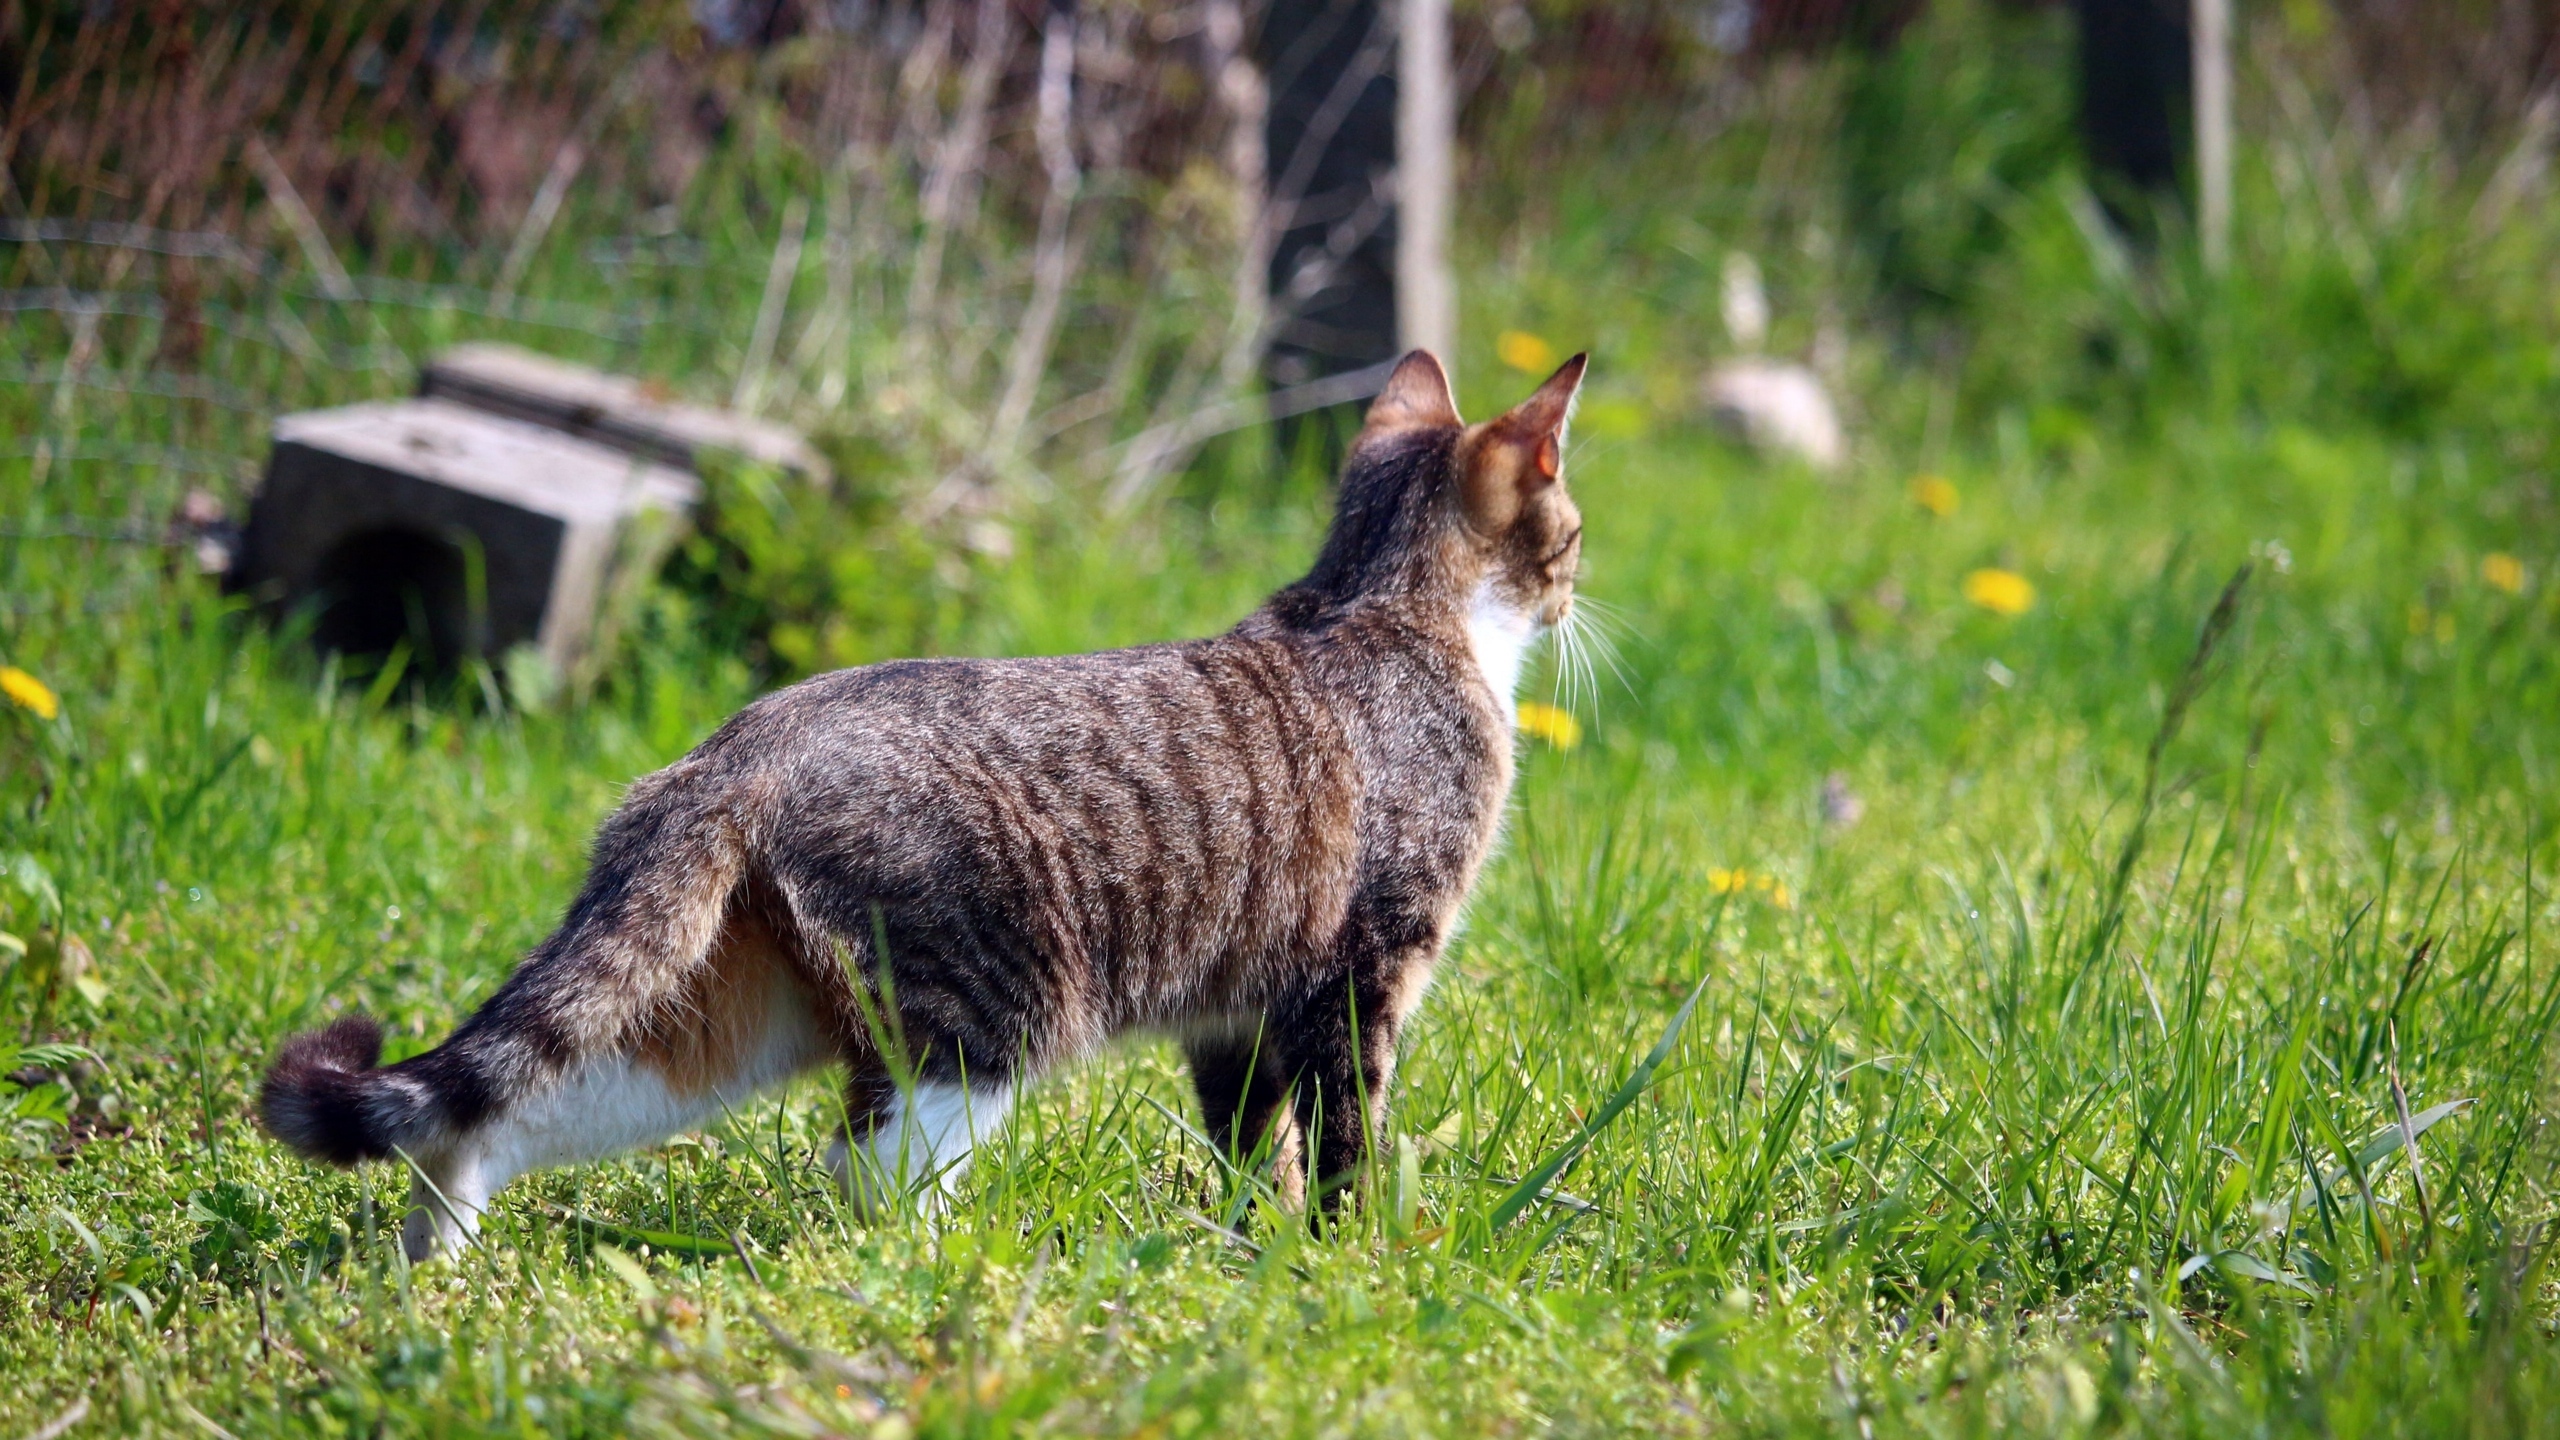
(1009, 241)
(993, 240)
(1000, 243)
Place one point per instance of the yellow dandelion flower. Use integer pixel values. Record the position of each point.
(1523, 351)
(1935, 494)
(1721, 881)
(2002, 592)
(29, 692)
(1547, 722)
(2504, 571)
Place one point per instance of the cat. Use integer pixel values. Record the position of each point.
(1257, 843)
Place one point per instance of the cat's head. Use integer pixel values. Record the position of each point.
(1516, 533)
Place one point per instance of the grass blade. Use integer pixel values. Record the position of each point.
(1637, 1082)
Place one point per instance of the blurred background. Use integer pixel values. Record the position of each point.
(2070, 487)
(1014, 266)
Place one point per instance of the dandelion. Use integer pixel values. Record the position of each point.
(28, 692)
(2424, 622)
(1550, 723)
(2503, 571)
(1935, 494)
(1523, 351)
(1746, 882)
(2002, 592)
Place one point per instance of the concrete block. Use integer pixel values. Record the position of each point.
(477, 532)
(613, 410)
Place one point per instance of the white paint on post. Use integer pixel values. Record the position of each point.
(2210, 32)
(1426, 142)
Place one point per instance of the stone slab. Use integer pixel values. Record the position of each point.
(614, 410)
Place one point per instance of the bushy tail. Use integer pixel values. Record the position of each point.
(655, 894)
(324, 1097)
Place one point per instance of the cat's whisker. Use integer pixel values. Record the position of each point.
(1574, 680)
(1580, 654)
(1606, 621)
(1602, 616)
(1601, 628)
(1585, 639)
(1560, 687)
(1605, 648)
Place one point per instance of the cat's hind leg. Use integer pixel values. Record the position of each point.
(602, 1108)
(549, 1068)
(742, 1024)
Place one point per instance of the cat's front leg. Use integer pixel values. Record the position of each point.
(1341, 1034)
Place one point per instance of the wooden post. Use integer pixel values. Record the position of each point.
(2211, 48)
(1329, 138)
(1426, 125)
(2133, 57)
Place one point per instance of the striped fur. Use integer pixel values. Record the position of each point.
(968, 872)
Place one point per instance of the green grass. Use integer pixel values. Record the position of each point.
(1938, 1148)
(2054, 1095)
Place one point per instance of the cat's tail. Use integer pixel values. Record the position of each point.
(657, 889)
(324, 1097)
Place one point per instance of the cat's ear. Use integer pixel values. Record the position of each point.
(1515, 455)
(1537, 423)
(1416, 397)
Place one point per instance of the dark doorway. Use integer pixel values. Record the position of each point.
(379, 588)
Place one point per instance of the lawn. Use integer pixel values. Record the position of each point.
(1918, 1003)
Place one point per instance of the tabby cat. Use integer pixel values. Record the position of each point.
(950, 876)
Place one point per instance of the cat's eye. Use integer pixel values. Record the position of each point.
(1571, 539)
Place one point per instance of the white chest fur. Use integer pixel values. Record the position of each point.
(1499, 634)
